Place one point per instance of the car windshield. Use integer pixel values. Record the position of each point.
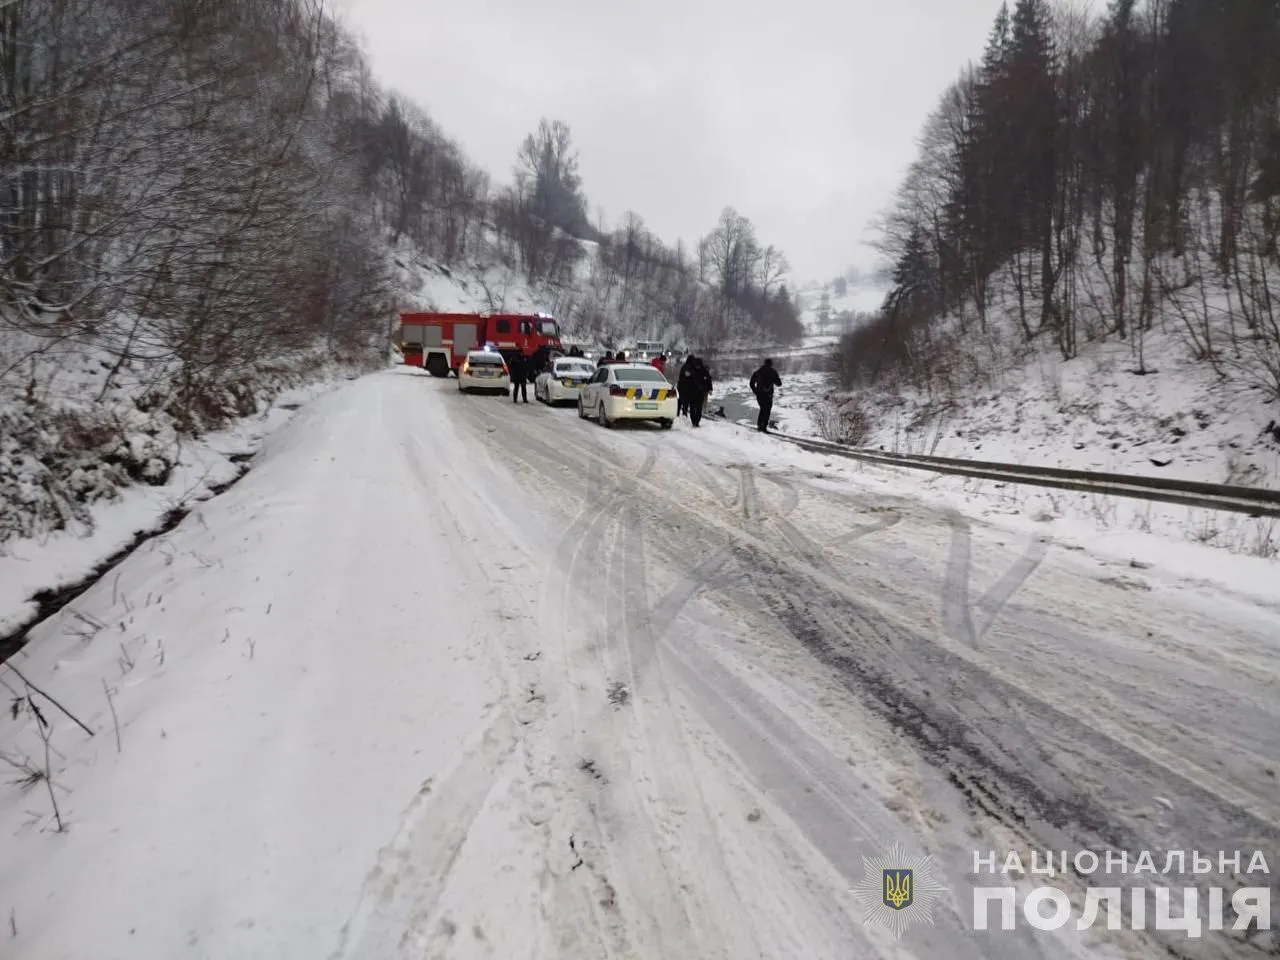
(576, 367)
(485, 359)
(641, 375)
(548, 328)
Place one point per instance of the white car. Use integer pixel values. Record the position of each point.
(564, 380)
(484, 370)
(628, 391)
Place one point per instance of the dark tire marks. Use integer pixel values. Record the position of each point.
(1012, 754)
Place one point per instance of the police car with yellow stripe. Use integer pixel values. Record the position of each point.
(628, 391)
(563, 382)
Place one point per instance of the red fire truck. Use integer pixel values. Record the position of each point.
(439, 342)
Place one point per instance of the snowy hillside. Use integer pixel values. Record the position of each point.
(1093, 413)
(843, 302)
(424, 284)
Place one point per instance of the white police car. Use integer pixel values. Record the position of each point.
(628, 391)
(484, 370)
(564, 380)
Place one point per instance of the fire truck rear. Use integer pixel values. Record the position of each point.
(439, 342)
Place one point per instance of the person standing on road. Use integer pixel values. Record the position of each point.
(519, 377)
(697, 387)
(538, 362)
(683, 389)
(763, 383)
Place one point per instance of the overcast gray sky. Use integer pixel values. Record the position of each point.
(799, 113)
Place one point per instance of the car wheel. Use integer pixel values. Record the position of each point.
(667, 424)
(582, 410)
(604, 417)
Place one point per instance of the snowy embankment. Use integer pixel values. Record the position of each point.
(1093, 413)
(95, 453)
(443, 678)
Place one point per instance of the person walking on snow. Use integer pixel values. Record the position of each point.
(519, 377)
(763, 382)
(695, 387)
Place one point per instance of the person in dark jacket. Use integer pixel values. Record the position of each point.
(763, 383)
(696, 379)
(605, 360)
(683, 379)
(519, 367)
(538, 362)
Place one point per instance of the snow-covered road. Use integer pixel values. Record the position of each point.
(447, 678)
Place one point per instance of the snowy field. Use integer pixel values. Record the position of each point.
(438, 678)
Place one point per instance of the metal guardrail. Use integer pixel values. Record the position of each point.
(1253, 501)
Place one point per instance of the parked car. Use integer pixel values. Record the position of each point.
(564, 380)
(484, 370)
(628, 391)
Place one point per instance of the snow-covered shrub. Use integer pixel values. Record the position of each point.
(845, 420)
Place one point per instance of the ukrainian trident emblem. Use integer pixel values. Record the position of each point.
(898, 890)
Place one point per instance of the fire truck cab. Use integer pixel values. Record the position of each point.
(439, 342)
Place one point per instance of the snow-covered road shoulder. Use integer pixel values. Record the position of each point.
(54, 562)
(269, 685)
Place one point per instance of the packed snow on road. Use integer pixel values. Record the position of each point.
(441, 677)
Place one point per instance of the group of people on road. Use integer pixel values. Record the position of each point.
(608, 357)
(693, 384)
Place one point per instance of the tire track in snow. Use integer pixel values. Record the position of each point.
(568, 900)
(400, 894)
(991, 725)
(648, 623)
(802, 777)
(962, 682)
(821, 827)
(659, 909)
(576, 554)
(399, 910)
(969, 745)
(960, 712)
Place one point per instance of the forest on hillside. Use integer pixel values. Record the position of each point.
(200, 186)
(1095, 175)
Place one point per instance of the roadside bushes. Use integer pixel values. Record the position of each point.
(845, 420)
